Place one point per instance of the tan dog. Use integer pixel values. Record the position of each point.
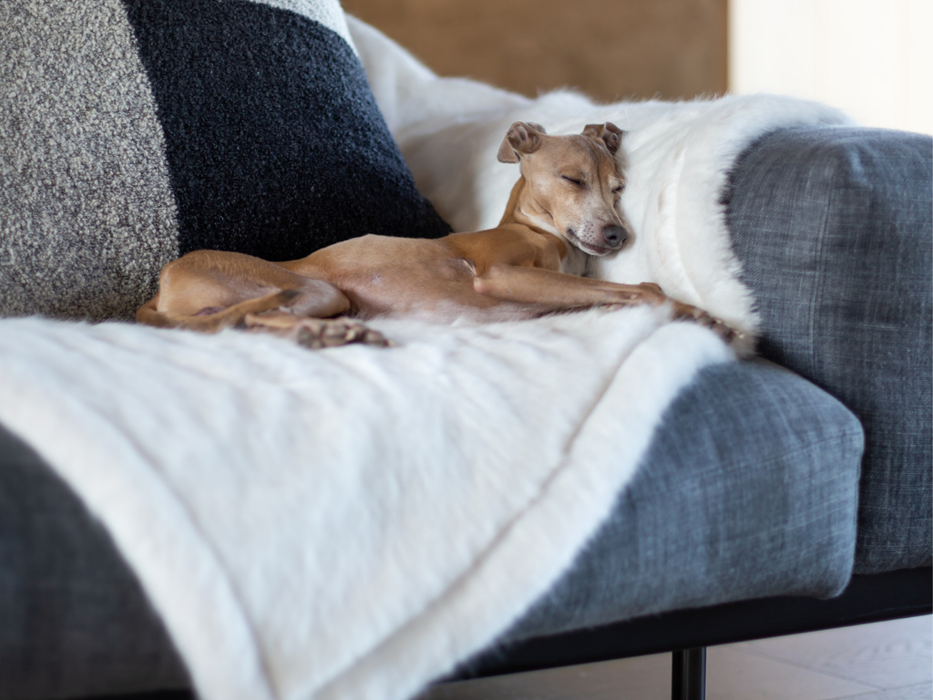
(564, 207)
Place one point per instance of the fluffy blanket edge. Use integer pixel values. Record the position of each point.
(194, 508)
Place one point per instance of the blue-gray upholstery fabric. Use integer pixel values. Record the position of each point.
(833, 227)
(749, 490)
(74, 621)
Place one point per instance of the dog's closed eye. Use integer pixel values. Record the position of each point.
(573, 180)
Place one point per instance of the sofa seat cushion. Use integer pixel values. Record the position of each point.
(749, 490)
(834, 228)
(74, 621)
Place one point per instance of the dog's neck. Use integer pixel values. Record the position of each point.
(573, 260)
(515, 213)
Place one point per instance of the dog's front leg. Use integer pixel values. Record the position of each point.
(556, 291)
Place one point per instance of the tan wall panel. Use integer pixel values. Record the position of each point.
(609, 49)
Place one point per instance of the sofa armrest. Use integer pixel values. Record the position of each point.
(833, 228)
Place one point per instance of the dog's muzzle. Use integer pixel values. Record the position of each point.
(610, 238)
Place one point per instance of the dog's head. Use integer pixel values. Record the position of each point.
(572, 184)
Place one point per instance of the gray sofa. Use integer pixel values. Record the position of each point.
(777, 477)
(793, 477)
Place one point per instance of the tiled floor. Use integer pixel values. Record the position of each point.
(882, 661)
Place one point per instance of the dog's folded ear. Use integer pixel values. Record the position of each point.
(522, 138)
(608, 133)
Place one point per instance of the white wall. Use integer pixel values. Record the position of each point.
(871, 58)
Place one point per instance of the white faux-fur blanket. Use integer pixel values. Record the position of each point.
(346, 523)
(351, 523)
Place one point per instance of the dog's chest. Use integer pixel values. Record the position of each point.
(576, 262)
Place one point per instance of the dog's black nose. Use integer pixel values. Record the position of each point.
(615, 235)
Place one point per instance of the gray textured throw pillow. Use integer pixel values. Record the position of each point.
(133, 131)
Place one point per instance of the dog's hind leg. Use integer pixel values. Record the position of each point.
(211, 320)
(208, 291)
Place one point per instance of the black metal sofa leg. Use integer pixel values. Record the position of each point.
(688, 674)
